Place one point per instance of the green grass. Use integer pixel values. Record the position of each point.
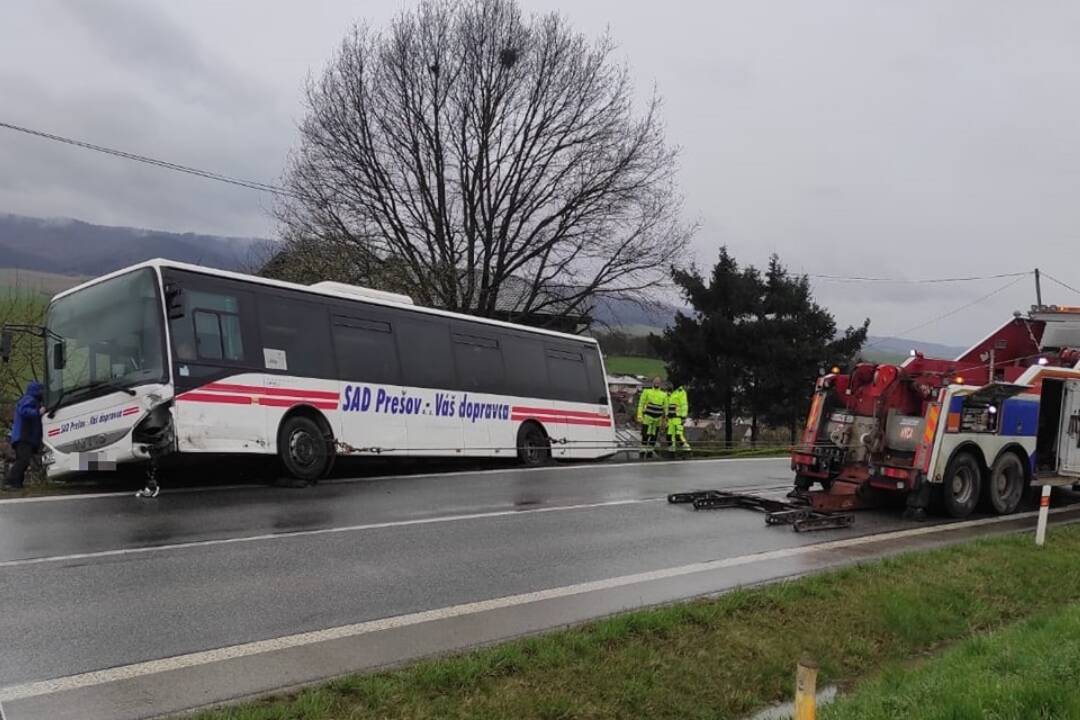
(630, 365)
(719, 658)
(1028, 670)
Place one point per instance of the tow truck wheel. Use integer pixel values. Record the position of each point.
(1006, 486)
(963, 482)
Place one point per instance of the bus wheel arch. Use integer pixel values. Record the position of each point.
(963, 482)
(305, 443)
(533, 444)
(1006, 480)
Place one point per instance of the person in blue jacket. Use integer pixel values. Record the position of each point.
(26, 434)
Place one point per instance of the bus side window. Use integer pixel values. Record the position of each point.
(210, 329)
(566, 369)
(424, 349)
(526, 367)
(365, 351)
(298, 329)
(479, 364)
(597, 382)
(208, 335)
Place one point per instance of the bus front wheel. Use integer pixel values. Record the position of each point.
(304, 449)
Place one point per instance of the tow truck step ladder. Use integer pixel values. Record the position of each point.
(800, 516)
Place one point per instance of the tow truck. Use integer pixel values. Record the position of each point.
(949, 434)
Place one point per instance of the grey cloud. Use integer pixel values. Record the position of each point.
(859, 137)
(145, 41)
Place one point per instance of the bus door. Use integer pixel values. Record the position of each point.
(481, 375)
(427, 370)
(569, 378)
(370, 374)
(214, 353)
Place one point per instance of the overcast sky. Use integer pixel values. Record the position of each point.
(853, 137)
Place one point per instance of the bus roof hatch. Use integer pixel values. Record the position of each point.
(358, 291)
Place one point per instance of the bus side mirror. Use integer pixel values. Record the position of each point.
(5, 345)
(58, 356)
(174, 301)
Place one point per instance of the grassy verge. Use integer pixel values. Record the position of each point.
(720, 658)
(1026, 671)
(743, 452)
(631, 365)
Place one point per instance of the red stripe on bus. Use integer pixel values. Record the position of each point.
(254, 400)
(564, 420)
(131, 411)
(564, 413)
(290, 402)
(54, 433)
(215, 398)
(280, 392)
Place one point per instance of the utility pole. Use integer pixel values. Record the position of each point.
(1038, 290)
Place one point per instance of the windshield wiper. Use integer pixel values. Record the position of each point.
(92, 386)
(111, 384)
(56, 405)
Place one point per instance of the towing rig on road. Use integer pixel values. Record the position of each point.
(952, 433)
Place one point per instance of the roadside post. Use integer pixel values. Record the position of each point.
(1044, 515)
(806, 690)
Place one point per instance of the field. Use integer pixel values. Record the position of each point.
(630, 365)
(1025, 671)
(31, 281)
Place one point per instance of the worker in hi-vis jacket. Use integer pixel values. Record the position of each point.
(650, 413)
(678, 407)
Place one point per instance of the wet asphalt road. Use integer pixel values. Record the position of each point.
(95, 582)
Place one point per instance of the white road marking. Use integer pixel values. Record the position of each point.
(557, 468)
(403, 476)
(321, 531)
(178, 662)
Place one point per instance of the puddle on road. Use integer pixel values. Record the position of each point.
(787, 710)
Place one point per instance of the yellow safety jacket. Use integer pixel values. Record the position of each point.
(677, 404)
(651, 404)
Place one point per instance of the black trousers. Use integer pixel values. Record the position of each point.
(24, 452)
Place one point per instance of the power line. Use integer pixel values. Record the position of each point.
(277, 190)
(1067, 287)
(976, 301)
(857, 278)
(207, 174)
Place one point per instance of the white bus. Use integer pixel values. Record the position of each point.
(169, 359)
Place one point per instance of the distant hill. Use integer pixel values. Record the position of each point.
(887, 349)
(53, 254)
(633, 317)
(75, 248)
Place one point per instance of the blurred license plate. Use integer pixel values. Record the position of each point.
(95, 461)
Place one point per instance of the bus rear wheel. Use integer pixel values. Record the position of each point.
(533, 445)
(304, 449)
(1006, 487)
(962, 486)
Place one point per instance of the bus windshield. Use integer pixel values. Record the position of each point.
(113, 338)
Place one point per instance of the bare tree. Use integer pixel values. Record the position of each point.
(473, 156)
(20, 306)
